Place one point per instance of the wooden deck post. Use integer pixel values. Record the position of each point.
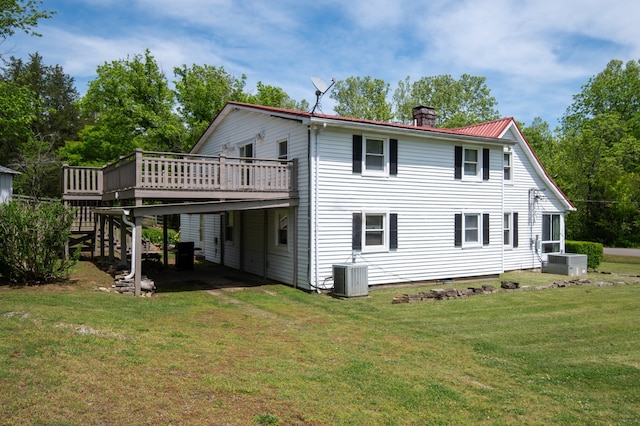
(111, 240)
(165, 243)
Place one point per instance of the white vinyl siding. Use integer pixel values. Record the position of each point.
(421, 195)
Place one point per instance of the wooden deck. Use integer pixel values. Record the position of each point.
(168, 177)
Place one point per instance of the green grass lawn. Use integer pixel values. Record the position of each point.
(70, 355)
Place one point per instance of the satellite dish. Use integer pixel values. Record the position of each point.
(320, 85)
(321, 89)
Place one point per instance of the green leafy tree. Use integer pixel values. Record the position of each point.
(458, 102)
(362, 97)
(600, 150)
(274, 96)
(129, 105)
(21, 15)
(202, 91)
(17, 112)
(53, 99)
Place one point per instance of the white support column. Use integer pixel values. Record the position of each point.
(138, 256)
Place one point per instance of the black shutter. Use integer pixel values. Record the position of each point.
(357, 153)
(393, 231)
(485, 164)
(485, 229)
(356, 232)
(458, 230)
(458, 163)
(393, 156)
(515, 230)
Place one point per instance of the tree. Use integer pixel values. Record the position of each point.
(16, 115)
(52, 98)
(274, 96)
(600, 150)
(55, 97)
(458, 102)
(129, 105)
(360, 97)
(202, 91)
(16, 15)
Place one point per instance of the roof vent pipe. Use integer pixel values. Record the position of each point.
(424, 116)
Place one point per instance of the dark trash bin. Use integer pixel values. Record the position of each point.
(184, 256)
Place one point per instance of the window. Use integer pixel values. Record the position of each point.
(282, 237)
(375, 156)
(282, 150)
(510, 230)
(246, 151)
(375, 231)
(551, 233)
(228, 226)
(469, 228)
(507, 166)
(507, 229)
(471, 163)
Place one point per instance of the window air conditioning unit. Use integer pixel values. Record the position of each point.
(567, 264)
(350, 279)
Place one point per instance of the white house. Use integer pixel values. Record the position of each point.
(413, 202)
(6, 183)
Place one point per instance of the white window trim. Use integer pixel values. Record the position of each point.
(478, 176)
(384, 247)
(472, 244)
(283, 140)
(508, 152)
(276, 221)
(385, 152)
(508, 244)
(560, 241)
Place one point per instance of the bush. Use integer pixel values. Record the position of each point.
(33, 236)
(154, 235)
(594, 251)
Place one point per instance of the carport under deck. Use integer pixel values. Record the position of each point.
(153, 183)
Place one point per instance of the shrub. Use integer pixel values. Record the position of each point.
(154, 235)
(594, 251)
(33, 236)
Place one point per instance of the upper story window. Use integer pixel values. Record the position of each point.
(283, 150)
(471, 166)
(508, 169)
(375, 156)
(246, 151)
(471, 163)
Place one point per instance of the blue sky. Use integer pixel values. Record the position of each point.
(535, 54)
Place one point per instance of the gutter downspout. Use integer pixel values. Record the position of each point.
(125, 213)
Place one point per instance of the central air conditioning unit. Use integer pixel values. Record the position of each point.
(570, 264)
(350, 279)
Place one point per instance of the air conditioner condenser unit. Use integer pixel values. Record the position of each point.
(571, 264)
(350, 280)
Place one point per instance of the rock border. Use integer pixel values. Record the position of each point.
(452, 293)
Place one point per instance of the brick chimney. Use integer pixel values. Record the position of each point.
(424, 116)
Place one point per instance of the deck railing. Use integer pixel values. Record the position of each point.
(81, 180)
(184, 172)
